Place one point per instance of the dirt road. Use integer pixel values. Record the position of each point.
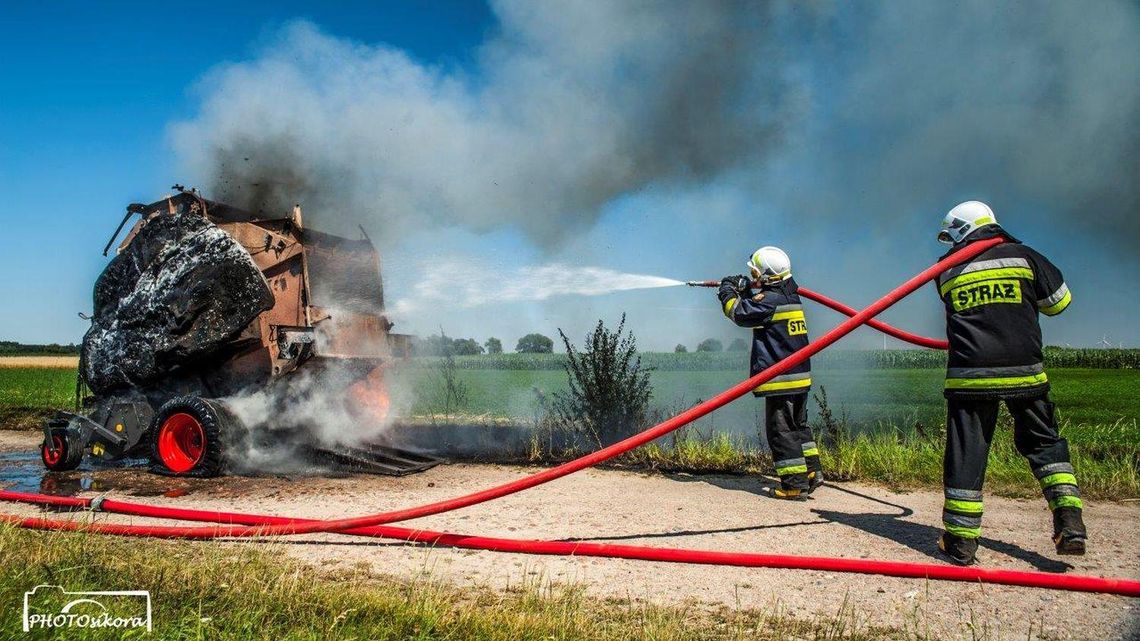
(705, 512)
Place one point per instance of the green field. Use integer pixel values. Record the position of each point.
(869, 397)
(28, 394)
(891, 420)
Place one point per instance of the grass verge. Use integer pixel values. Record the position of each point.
(1106, 457)
(210, 591)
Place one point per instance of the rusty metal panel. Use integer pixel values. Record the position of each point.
(344, 274)
(349, 334)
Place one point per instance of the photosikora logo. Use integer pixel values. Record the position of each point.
(52, 607)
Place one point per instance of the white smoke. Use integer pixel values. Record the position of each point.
(573, 105)
(311, 408)
(467, 285)
(846, 128)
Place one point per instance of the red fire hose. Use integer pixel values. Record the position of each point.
(890, 330)
(1123, 587)
(589, 460)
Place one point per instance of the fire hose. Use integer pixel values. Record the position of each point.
(1122, 587)
(889, 330)
(267, 526)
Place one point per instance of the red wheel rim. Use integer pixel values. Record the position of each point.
(181, 442)
(53, 453)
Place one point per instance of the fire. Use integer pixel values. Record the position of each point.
(370, 396)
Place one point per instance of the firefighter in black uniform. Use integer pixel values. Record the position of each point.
(992, 306)
(769, 304)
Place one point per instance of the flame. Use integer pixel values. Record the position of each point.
(370, 396)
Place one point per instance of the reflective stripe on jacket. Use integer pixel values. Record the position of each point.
(992, 304)
(776, 317)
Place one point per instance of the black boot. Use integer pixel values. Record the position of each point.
(815, 479)
(1069, 533)
(961, 551)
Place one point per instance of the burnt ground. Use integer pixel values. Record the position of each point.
(704, 512)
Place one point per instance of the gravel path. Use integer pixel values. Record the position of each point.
(706, 512)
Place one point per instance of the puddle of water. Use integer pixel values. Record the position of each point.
(24, 472)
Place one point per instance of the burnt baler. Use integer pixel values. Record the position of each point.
(204, 301)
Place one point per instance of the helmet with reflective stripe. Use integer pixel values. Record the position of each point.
(770, 265)
(964, 220)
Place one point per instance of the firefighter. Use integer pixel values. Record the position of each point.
(769, 304)
(992, 305)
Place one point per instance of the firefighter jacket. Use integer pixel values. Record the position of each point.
(776, 317)
(992, 303)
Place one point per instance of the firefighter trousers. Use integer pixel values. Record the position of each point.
(970, 427)
(794, 451)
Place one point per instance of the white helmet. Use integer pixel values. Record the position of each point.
(770, 265)
(964, 220)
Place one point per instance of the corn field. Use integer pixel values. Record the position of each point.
(1060, 357)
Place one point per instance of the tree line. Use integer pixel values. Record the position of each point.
(443, 345)
(713, 345)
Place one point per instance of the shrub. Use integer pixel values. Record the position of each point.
(609, 389)
(450, 392)
(680, 349)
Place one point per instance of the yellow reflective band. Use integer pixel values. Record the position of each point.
(730, 305)
(1060, 478)
(782, 385)
(812, 452)
(795, 469)
(1060, 305)
(965, 507)
(797, 326)
(964, 532)
(1066, 501)
(985, 274)
(796, 315)
(985, 220)
(987, 383)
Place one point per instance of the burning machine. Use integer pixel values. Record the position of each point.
(204, 301)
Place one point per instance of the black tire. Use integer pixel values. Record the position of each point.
(61, 450)
(187, 437)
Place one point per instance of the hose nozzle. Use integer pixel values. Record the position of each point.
(703, 283)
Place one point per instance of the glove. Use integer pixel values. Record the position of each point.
(730, 288)
(738, 283)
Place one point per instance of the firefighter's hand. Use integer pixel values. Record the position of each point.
(738, 283)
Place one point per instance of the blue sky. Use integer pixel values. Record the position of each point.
(884, 123)
(87, 92)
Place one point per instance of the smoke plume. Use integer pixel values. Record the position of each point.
(572, 106)
(846, 128)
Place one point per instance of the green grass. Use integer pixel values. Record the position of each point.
(210, 591)
(884, 411)
(29, 394)
(1106, 457)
